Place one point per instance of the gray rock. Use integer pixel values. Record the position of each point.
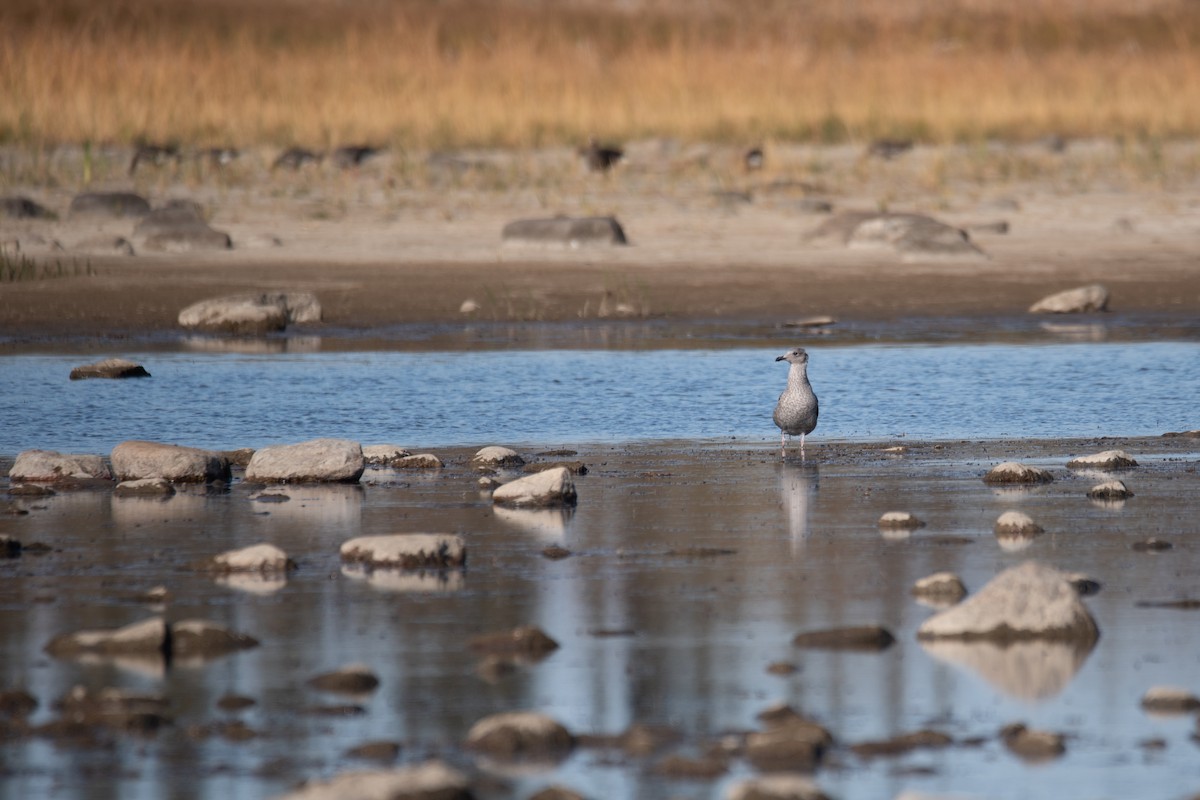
(432, 780)
(350, 679)
(812, 205)
(913, 236)
(860, 637)
(47, 466)
(418, 461)
(108, 205)
(525, 735)
(133, 460)
(1016, 473)
(145, 487)
(552, 487)
(1107, 460)
(1016, 523)
(315, 461)
(174, 214)
(782, 786)
(789, 743)
(251, 313)
(497, 457)
(941, 586)
(147, 637)
(902, 744)
(1073, 301)
(900, 519)
(262, 558)
(1029, 601)
(383, 454)
(407, 551)
(109, 368)
(1170, 700)
(1031, 745)
(573, 232)
(527, 641)
(1110, 490)
(198, 639)
(187, 238)
(18, 207)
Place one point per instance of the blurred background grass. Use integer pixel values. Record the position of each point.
(430, 74)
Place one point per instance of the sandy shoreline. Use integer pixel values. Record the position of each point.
(706, 242)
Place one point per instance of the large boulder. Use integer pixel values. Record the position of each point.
(573, 232)
(109, 368)
(914, 236)
(247, 314)
(1073, 301)
(407, 551)
(315, 461)
(108, 205)
(431, 780)
(1029, 601)
(46, 466)
(134, 460)
(19, 207)
(552, 487)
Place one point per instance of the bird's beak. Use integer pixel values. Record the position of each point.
(781, 358)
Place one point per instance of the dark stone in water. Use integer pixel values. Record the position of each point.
(865, 637)
(1151, 545)
(526, 640)
(901, 744)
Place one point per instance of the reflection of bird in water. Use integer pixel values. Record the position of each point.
(796, 411)
(797, 485)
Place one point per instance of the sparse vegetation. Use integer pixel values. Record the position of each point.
(421, 74)
(16, 267)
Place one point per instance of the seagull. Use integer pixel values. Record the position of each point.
(796, 411)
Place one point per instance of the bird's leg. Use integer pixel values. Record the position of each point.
(783, 445)
(802, 447)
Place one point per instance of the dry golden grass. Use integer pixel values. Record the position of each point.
(419, 73)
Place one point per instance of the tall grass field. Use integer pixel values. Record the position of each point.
(521, 73)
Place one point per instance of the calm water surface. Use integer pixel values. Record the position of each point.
(438, 399)
(694, 635)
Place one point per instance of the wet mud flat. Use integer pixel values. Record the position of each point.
(674, 590)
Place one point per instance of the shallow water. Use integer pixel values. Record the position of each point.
(435, 399)
(693, 635)
(646, 637)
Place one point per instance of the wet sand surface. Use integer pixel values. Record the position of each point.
(692, 565)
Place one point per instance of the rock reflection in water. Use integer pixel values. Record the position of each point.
(252, 346)
(252, 582)
(334, 506)
(546, 524)
(399, 580)
(1032, 670)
